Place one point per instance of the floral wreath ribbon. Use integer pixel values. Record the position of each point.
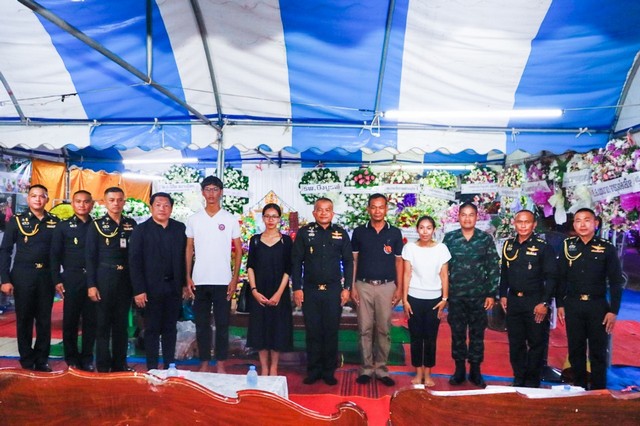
(557, 201)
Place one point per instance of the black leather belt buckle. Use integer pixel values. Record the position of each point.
(322, 287)
(584, 297)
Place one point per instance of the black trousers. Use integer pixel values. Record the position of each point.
(160, 317)
(423, 329)
(527, 340)
(467, 315)
(112, 318)
(77, 307)
(208, 297)
(585, 331)
(322, 311)
(33, 292)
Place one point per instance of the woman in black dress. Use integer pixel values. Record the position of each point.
(268, 267)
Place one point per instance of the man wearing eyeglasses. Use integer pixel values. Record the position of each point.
(210, 281)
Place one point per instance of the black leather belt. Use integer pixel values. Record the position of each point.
(376, 282)
(585, 297)
(117, 267)
(523, 293)
(33, 265)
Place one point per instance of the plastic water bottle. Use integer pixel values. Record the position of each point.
(172, 371)
(252, 377)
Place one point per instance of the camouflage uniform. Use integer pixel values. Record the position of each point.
(473, 276)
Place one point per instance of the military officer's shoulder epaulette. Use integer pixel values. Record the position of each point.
(51, 217)
(600, 240)
(539, 240)
(336, 227)
(571, 239)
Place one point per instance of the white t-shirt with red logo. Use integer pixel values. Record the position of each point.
(212, 238)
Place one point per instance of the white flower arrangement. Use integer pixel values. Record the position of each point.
(133, 207)
(234, 179)
(398, 177)
(184, 205)
(317, 175)
(359, 178)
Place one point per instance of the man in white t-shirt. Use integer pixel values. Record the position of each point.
(210, 280)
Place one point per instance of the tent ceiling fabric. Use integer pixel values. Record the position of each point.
(316, 74)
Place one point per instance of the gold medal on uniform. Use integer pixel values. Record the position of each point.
(310, 249)
(26, 239)
(75, 240)
(529, 266)
(106, 241)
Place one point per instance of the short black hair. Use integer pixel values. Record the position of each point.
(82, 191)
(113, 189)
(375, 197)
(526, 211)
(586, 209)
(322, 199)
(211, 180)
(37, 185)
(161, 194)
(468, 204)
(273, 206)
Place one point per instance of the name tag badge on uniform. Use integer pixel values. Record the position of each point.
(532, 251)
(336, 235)
(127, 227)
(597, 249)
(123, 243)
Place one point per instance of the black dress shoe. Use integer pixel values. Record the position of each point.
(386, 380)
(309, 380)
(126, 368)
(43, 367)
(363, 379)
(330, 380)
(87, 367)
(475, 376)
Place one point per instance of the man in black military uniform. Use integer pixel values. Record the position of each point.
(586, 265)
(108, 281)
(68, 251)
(527, 284)
(30, 278)
(156, 257)
(322, 273)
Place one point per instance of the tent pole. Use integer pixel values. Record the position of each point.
(384, 54)
(220, 161)
(75, 32)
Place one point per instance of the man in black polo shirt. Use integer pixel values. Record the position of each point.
(378, 266)
(108, 281)
(156, 258)
(67, 250)
(30, 278)
(323, 251)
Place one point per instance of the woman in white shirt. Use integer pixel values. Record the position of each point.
(425, 296)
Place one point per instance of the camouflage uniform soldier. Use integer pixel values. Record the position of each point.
(473, 284)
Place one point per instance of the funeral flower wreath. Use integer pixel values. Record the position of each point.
(234, 179)
(318, 175)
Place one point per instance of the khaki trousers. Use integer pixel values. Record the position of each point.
(374, 321)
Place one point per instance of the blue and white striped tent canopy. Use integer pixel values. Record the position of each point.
(309, 77)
